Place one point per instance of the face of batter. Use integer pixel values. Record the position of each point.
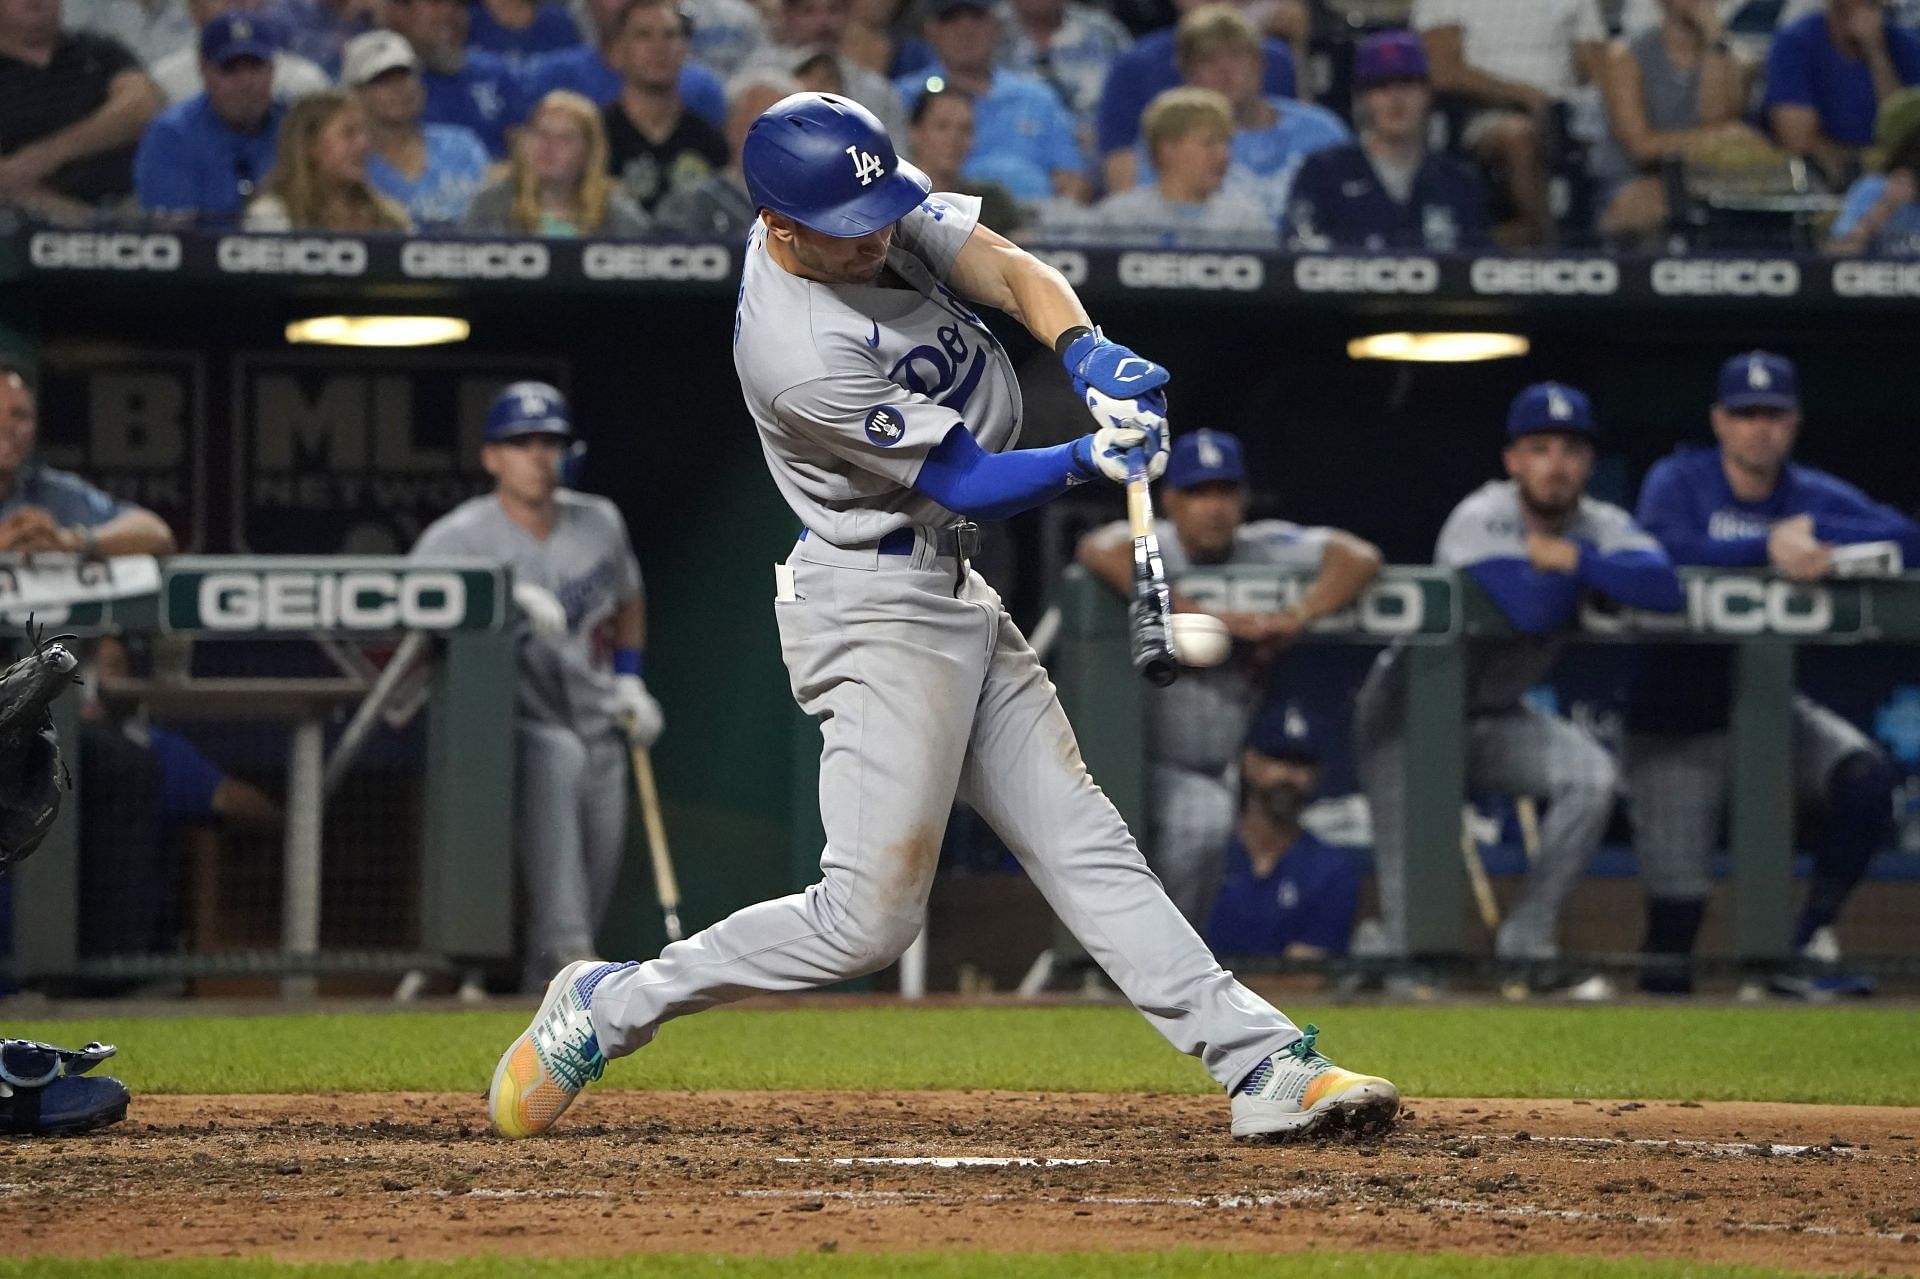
(526, 468)
(1205, 516)
(825, 258)
(1756, 441)
(1551, 469)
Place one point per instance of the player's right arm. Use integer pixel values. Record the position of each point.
(1489, 546)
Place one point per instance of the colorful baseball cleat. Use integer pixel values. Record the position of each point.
(554, 1058)
(1297, 1091)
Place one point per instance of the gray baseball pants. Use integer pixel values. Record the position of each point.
(1522, 751)
(571, 820)
(1193, 816)
(923, 689)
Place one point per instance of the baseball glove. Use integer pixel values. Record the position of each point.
(31, 774)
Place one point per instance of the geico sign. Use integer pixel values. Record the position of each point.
(104, 252)
(1731, 606)
(1877, 279)
(1366, 275)
(457, 260)
(1555, 277)
(1388, 607)
(296, 255)
(1241, 272)
(1725, 278)
(656, 262)
(1068, 262)
(293, 599)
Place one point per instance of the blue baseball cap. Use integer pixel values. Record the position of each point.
(528, 408)
(1550, 406)
(1759, 380)
(238, 34)
(1205, 457)
(1282, 732)
(1388, 56)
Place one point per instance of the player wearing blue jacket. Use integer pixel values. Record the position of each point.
(1538, 545)
(1743, 504)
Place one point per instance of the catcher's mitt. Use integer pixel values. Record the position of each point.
(31, 774)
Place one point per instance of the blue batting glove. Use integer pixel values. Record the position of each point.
(1111, 368)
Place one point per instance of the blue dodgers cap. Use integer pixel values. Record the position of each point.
(238, 34)
(528, 408)
(1205, 457)
(1759, 380)
(1550, 406)
(1389, 56)
(1283, 732)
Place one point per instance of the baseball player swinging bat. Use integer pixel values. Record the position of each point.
(1152, 613)
(664, 882)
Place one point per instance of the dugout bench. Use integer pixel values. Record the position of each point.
(1763, 617)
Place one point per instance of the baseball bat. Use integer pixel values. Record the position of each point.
(664, 882)
(1151, 615)
(1477, 877)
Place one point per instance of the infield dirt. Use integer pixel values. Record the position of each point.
(340, 1176)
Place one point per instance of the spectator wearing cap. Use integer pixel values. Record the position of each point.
(72, 108)
(1065, 44)
(1538, 545)
(1141, 73)
(1745, 504)
(465, 86)
(1514, 61)
(1387, 191)
(1190, 202)
(940, 142)
(719, 207)
(1024, 137)
(1827, 74)
(805, 28)
(589, 70)
(1196, 726)
(318, 30)
(1283, 891)
(1882, 212)
(655, 146)
(178, 74)
(515, 31)
(203, 159)
(431, 170)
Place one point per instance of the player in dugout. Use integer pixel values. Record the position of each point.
(1743, 503)
(1196, 726)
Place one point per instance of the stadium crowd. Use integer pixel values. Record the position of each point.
(1305, 124)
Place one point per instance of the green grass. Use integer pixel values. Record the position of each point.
(1862, 1056)
(1183, 1264)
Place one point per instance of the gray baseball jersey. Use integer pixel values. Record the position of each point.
(589, 565)
(853, 385)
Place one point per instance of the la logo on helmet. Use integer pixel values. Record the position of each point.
(866, 165)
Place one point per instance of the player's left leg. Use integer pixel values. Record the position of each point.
(552, 761)
(1529, 752)
(1024, 774)
(1192, 820)
(603, 821)
(1838, 769)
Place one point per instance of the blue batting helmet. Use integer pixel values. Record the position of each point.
(528, 408)
(827, 163)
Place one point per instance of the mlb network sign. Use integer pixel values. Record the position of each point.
(1401, 604)
(322, 595)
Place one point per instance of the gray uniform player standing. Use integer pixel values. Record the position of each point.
(1537, 544)
(887, 411)
(1197, 725)
(580, 692)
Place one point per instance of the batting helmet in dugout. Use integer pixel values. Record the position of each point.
(826, 162)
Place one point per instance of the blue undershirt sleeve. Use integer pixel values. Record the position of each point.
(1639, 579)
(1534, 602)
(968, 480)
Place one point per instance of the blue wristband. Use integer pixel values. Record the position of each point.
(628, 661)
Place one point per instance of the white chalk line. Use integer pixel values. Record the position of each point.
(1716, 1149)
(953, 1161)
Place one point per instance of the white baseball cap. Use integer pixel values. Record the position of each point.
(372, 54)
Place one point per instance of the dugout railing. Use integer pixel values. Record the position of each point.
(1762, 617)
(440, 625)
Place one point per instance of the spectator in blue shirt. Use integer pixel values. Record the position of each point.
(1140, 74)
(1023, 135)
(203, 158)
(1388, 191)
(431, 170)
(43, 509)
(1064, 43)
(516, 30)
(1882, 213)
(1826, 76)
(469, 87)
(1282, 891)
(588, 70)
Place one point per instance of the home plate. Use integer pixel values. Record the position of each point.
(952, 1161)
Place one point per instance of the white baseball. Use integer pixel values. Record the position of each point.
(1200, 639)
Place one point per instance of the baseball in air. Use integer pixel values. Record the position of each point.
(1200, 639)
